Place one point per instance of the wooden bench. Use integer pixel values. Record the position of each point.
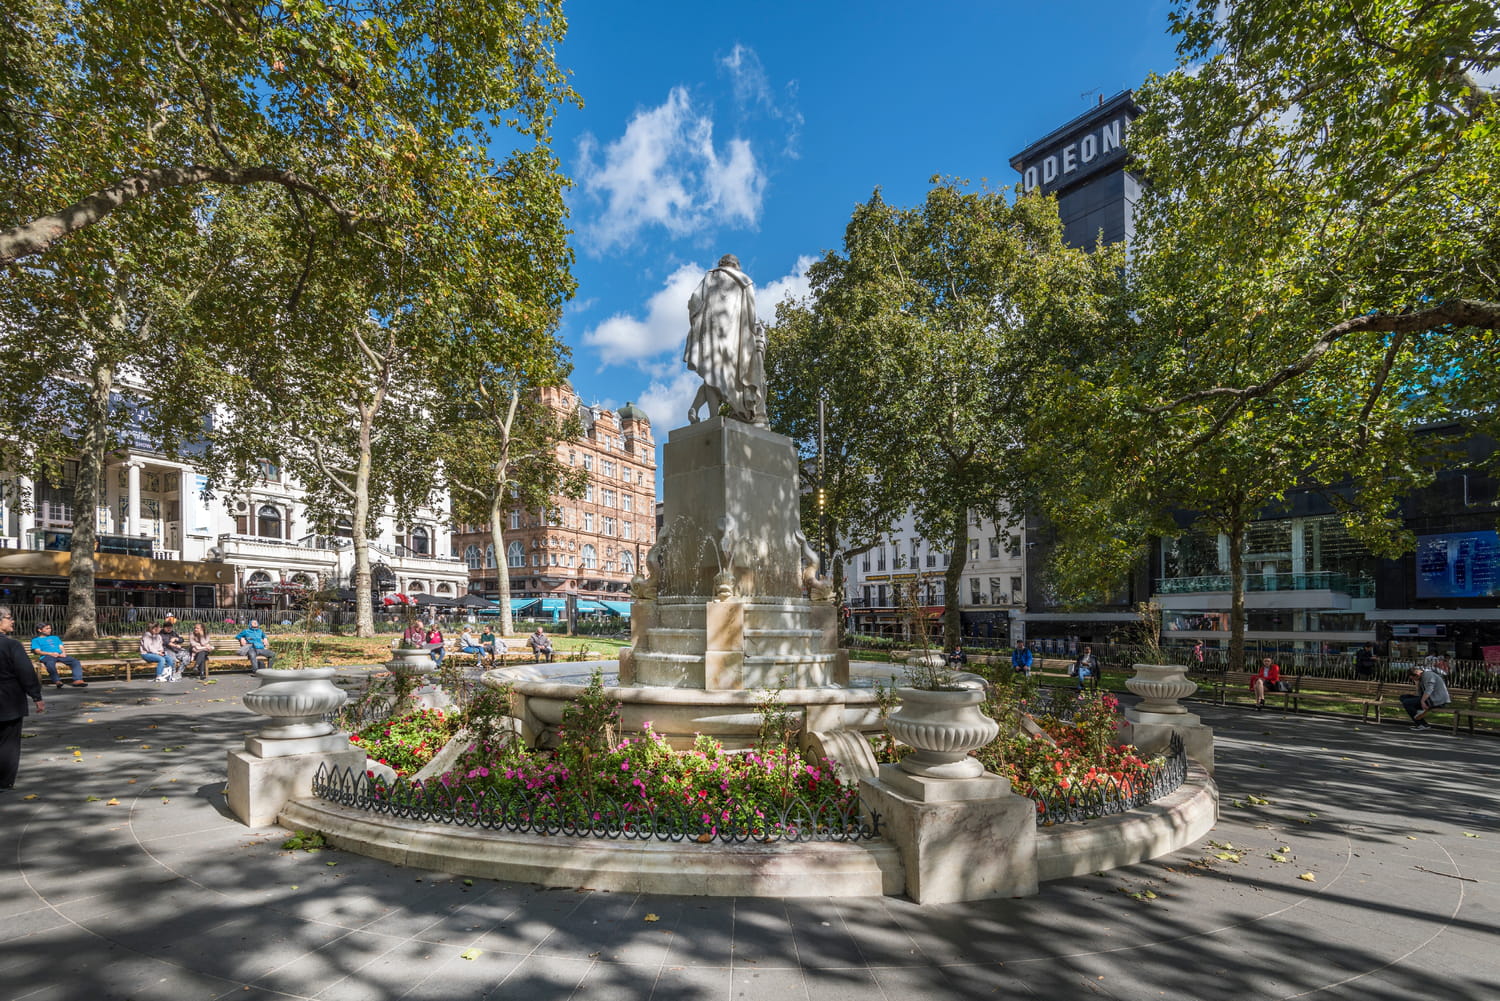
(104, 657)
(1465, 706)
(1237, 683)
(1368, 695)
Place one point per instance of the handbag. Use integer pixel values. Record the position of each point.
(1283, 686)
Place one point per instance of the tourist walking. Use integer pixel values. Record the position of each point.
(49, 649)
(1431, 693)
(17, 683)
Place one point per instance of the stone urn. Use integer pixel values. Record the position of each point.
(1160, 686)
(296, 700)
(415, 664)
(944, 726)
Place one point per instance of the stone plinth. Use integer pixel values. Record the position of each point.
(966, 839)
(260, 786)
(1152, 732)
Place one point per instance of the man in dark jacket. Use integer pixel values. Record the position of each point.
(17, 682)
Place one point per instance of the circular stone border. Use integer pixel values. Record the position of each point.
(801, 869)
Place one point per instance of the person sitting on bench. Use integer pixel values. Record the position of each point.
(253, 644)
(541, 644)
(1431, 693)
(49, 648)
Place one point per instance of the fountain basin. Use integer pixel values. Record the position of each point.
(543, 691)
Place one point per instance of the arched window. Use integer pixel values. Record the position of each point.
(590, 558)
(515, 555)
(258, 579)
(268, 522)
(421, 542)
(472, 557)
(415, 587)
(444, 588)
(627, 563)
(489, 556)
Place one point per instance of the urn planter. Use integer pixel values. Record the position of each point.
(295, 700)
(416, 664)
(944, 726)
(1160, 686)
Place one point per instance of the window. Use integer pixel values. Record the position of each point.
(554, 517)
(974, 549)
(867, 595)
(627, 562)
(627, 502)
(994, 547)
(344, 529)
(268, 522)
(880, 596)
(997, 591)
(974, 588)
(609, 469)
(268, 470)
(536, 559)
(588, 521)
(931, 558)
(609, 498)
(515, 519)
(864, 564)
(472, 557)
(1012, 544)
(588, 493)
(625, 528)
(590, 558)
(489, 556)
(421, 541)
(1015, 590)
(588, 462)
(913, 563)
(880, 564)
(515, 555)
(609, 526)
(640, 479)
(572, 458)
(552, 557)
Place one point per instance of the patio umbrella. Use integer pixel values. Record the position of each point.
(474, 601)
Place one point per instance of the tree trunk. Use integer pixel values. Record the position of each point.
(502, 565)
(83, 617)
(1236, 533)
(953, 580)
(364, 611)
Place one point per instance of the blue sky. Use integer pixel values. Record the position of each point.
(755, 130)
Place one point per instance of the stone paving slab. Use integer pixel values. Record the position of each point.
(161, 894)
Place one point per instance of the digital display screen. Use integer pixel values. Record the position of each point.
(1458, 565)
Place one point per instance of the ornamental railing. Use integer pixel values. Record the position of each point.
(1109, 796)
(535, 811)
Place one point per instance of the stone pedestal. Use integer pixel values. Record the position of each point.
(1152, 732)
(261, 784)
(959, 839)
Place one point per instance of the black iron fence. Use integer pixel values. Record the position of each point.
(1110, 796)
(536, 811)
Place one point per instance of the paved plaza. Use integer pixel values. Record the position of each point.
(126, 878)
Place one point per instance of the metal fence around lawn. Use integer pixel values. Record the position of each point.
(535, 811)
(1110, 796)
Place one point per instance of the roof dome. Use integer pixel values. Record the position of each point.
(631, 412)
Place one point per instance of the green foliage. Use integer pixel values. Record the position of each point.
(948, 306)
(305, 841)
(590, 723)
(779, 724)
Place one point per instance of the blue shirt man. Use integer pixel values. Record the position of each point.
(254, 645)
(1020, 659)
(49, 649)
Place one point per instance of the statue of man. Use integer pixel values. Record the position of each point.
(726, 345)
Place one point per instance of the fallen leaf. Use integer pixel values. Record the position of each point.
(1411, 837)
(468, 882)
(30, 795)
(1312, 814)
(651, 917)
(1227, 857)
(1148, 894)
(470, 954)
(130, 782)
(91, 799)
(1277, 858)
(1309, 877)
(112, 802)
(1258, 801)
(1468, 835)
(1284, 848)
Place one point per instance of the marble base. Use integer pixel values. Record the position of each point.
(1152, 733)
(957, 849)
(260, 787)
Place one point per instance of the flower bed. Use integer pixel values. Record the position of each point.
(407, 742)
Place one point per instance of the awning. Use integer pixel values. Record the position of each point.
(517, 604)
(618, 607)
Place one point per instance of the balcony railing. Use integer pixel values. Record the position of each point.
(1323, 580)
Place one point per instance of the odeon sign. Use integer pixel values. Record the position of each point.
(1078, 158)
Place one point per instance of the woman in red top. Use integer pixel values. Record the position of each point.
(1268, 677)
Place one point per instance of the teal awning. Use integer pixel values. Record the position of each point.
(618, 607)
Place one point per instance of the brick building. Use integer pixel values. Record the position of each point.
(589, 547)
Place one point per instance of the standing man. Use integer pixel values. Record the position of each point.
(726, 345)
(1364, 662)
(1020, 659)
(1431, 693)
(17, 683)
(49, 648)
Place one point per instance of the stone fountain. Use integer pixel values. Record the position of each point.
(729, 604)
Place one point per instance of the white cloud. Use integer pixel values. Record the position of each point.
(666, 400)
(793, 286)
(621, 338)
(666, 171)
(753, 95)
